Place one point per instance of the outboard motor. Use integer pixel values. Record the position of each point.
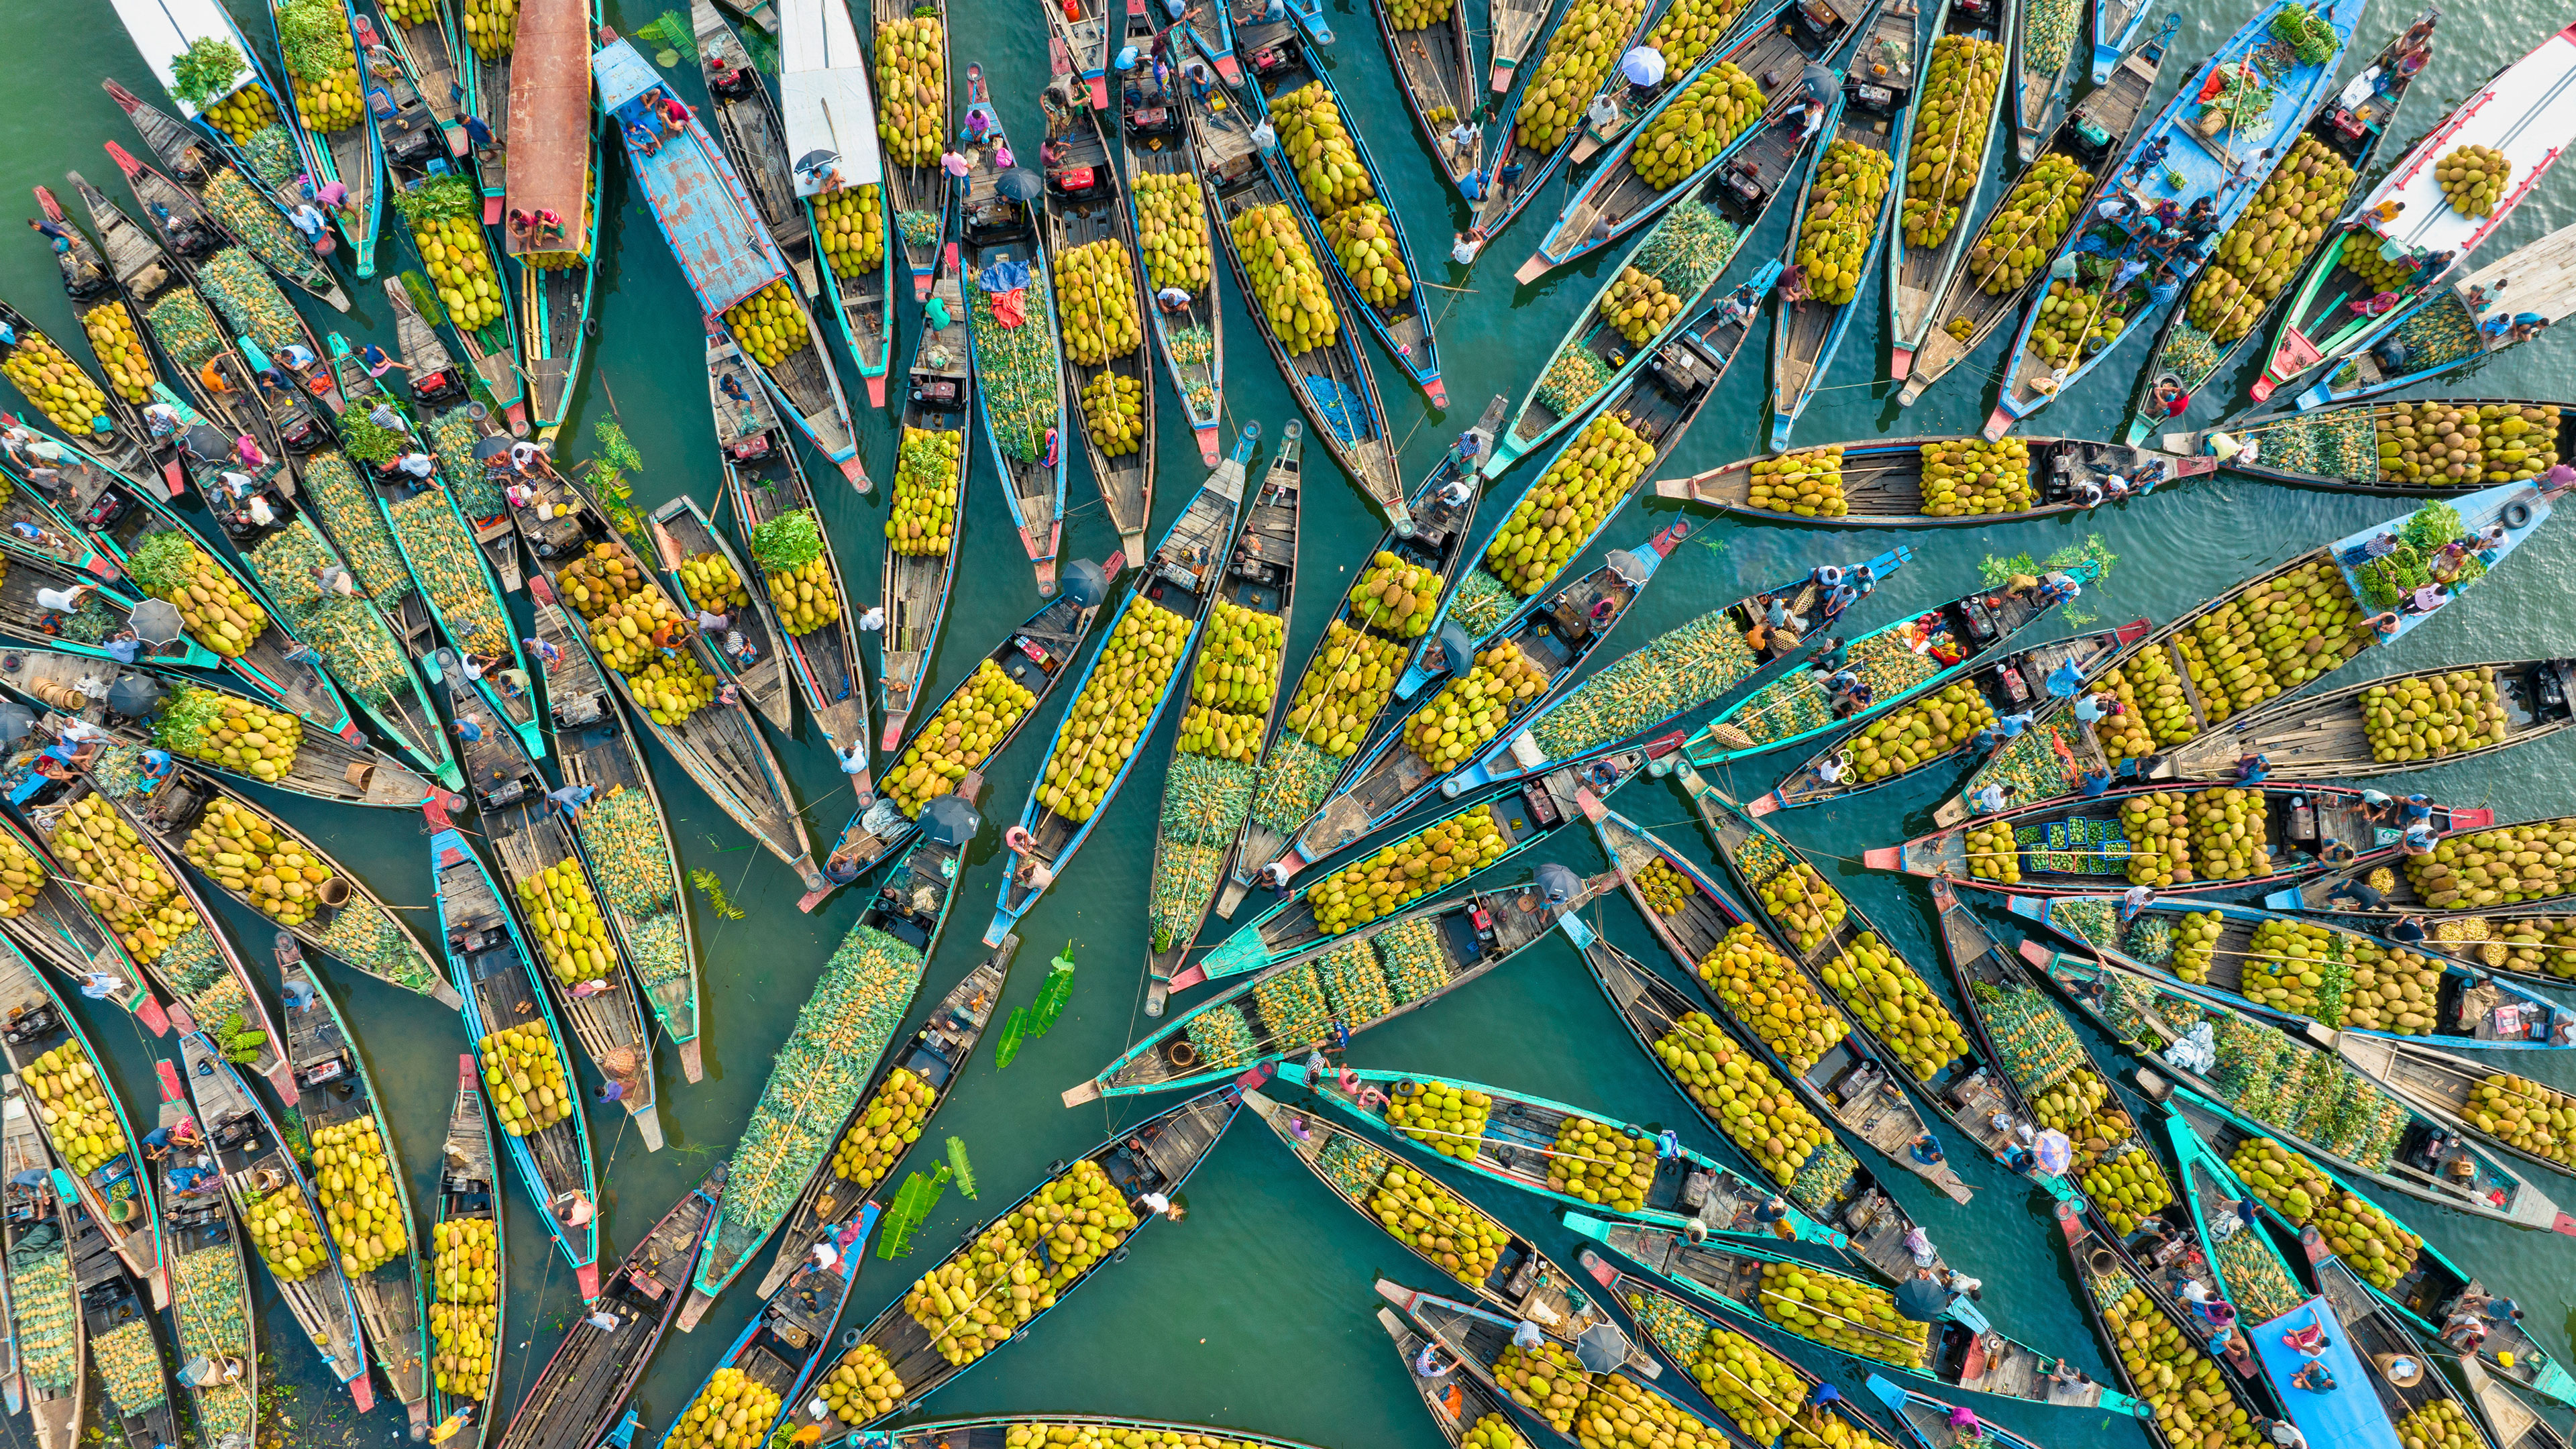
(443, 386)
(301, 433)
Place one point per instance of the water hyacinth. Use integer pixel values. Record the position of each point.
(1223, 1037)
(348, 510)
(1294, 780)
(205, 1288)
(1017, 367)
(186, 330)
(1690, 245)
(1481, 603)
(452, 435)
(813, 1080)
(1573, 379)
(1409, 953)
(363, 934)
(129, 1367)
(1678, 672)
(349, 634)
(42, 1310)
(450, 569)
(248, 215)
(241, 289)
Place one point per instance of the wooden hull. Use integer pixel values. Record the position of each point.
(917, 585)
(469, 1190)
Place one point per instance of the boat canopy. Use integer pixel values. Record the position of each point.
(823, 97)
(162, 30)
(2527, 112)
(550, 120)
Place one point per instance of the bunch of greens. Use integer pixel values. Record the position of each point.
(788, 542)
(368, 443)
(191, 716)
(2306, 33)
(438, 199)
(206, 71)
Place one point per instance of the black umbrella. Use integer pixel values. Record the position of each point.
(1559, 884)
(491, 447)
(1602, 1347)
(949, 820)
(1457, 648)
(1626, 565)
(157, 621)
(1020, 184)
(15, 720)
(207, 443)
(1086, 584)
(817, 161)
(134, 696)
(1922, 1300)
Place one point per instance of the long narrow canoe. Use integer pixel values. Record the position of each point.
(2046, 62)
(22, 616)
(1884, 747)
(2116, 1300)
(912, 1084)
(2340, 1117)
(917, 191)
(682, 534)
(1456, 1404)
(2510, 1423)
(208, 1261)
(2527, 111)
(1153, 142)
(495, 970)
(583, 1386)
(624, 833)
(2434, 1080)
(1983, 292)
(1883, 481)
(2336, 448)
(334, 1091)
(117, 1194)
(2446, 330)
(1435, 69)
(1595, 33)
(1868, 118)
(1078, 36)
(2243, 1262)
(1477, 1341)
(1425, 953)
(1034, 657)
(59, 930)
(135, 1403)
(784, 1343)
(348, 154)
(824, 107)
(1957, 137)
(1156, 1155)
(1332, 381)
(1522, 1280)
(2038, 370)
(1086, 208)
(1019, 371)
(1305, 758)
(252, 1158)
(1167, 606)
(467, 1217)
(540, 859)
(934, 454)
(487, 73)
(554, 167)
(1212, 774)
(458, 424)
(2376, 1336)
(48, 1338)
(2325, 171)
(1924, 1422)
(128, 446)
(1850, 1083)
(248, 117)
(2427, 1287)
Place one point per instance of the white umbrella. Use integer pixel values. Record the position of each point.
(1643, 66)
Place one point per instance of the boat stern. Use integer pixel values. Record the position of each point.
(152, 1016)
(1538, 265)
(1211, 447)
(362, 1389)
(1762, 805)
(1436, 390)
(587, 1277)
(1782, 424)
(1885, 857)
(1900, 363)
(1998, 423)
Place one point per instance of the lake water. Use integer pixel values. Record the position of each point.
(1257, 1311)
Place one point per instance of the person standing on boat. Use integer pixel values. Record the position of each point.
(1989, 798)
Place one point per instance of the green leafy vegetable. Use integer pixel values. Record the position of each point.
(789, 541)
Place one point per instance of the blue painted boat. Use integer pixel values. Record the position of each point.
(1179, 581)
(998, 251)
(683, 531)
(1493, 199)
(2457, 324)
(1923, 1421)
(271, 153)
(723, 248)
(117, 1194)
(2175, 161)
(200, 1227)
(783, 1345)
(495, 970)
(352, 155)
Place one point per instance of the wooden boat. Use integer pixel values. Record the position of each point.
(1520, 818)
(1882, 482)
(1965, 1088)
(936, 1057)
(2525, 111)
(208, 1273)
(457, 423)
(205, 979)
(59, 930)
(783, 1345)
(1285, 61)
(2510, 1423)
(1491, 204)
(2335, 447)
(1299, 774)
(2379, 1341)
(1464, 936)
(720, 749)
(1917, 276)
(1795, 706)
(1260, 579)
(2041, 74)
(2323, 734)
(2114, 1297)
(2204, 162)
(1155, 140)
(1181, 580)
(2094, 137)
(1554, 640)
(2176, 643)
(332, 1089)
(683, 531)
(918, 194)
(1024, 426)
(766, 481)
(1333, 383)
(490, 90)
(583, 1386)
(2430, 1289)
(350, 155)
(823, 106)
(532, 837)
(1517, 1143)
(1156, 1155)
(2451, 316)
(1784, 39)
(1085, 206)
(271, 152)
(555, 167)
(938, 408)
(2189, 356)
(1435, 70)
(427, 50)
(1523, 1282)
(45, 1315)
(2462, 1014)
(2242, 1263)
(716, 232)
(117, 1324)
(1078, 35)
(1455, 1405)
(22, 616)
(747, 121)
(469, 1191)
(2407, 1151)
(2074, 846)
(359, 930)
(1807, 331)
(496, 972)
(595, 746)
(255, 1164)
(1034, 656)
(2435, 1080)
(2012, 683)
(128, 447)
(117, 1194)
(1475, 1340)
(1923, 1421)
(1852, 1083)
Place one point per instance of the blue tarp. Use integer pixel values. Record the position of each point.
(1335, 410)
(1003, 276)
(2347, 1418)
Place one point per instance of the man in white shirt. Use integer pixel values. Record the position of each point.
(64, 601)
